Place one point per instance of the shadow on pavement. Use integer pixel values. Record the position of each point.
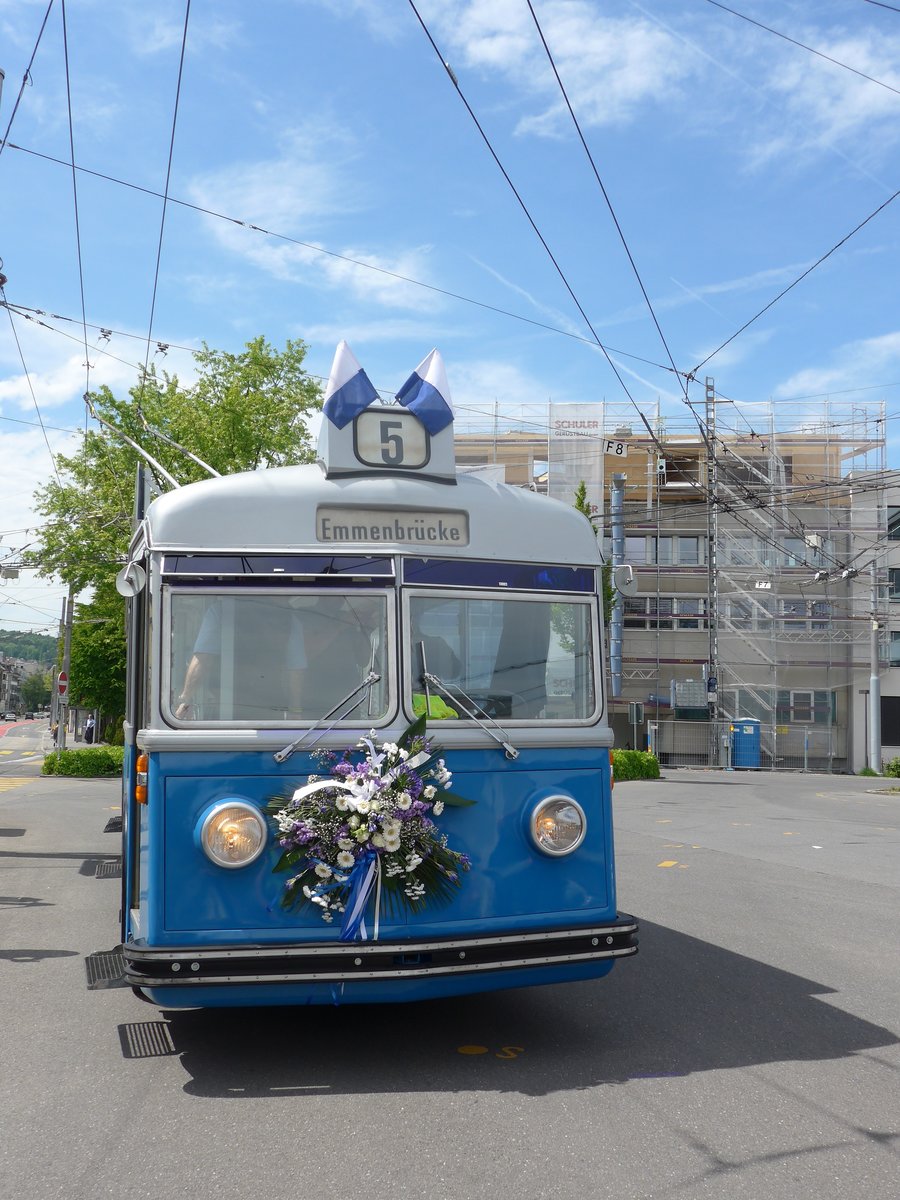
(681, 1006)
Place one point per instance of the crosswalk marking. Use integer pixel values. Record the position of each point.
(8, 782)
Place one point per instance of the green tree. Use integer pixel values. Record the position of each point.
(243, 412)
(35, 690)
(590, 511)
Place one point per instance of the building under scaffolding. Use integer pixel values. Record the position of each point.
(757, 537)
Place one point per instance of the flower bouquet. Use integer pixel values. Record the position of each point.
(368, 827)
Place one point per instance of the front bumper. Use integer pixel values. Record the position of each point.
(345, 962)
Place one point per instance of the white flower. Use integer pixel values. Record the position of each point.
(326, 916)
(404, 801)
(438, 807)
(412, 862)
(353, 821)
(344, 859)
(362, 834)
(404, 755)
(430, 792)
(390, 827)
(323, 870)
(306, 892)
(361, 805)
(391, 748)
(391, 844)
(341, 802)
(377, 840)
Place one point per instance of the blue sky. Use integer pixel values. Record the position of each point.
(732, 158)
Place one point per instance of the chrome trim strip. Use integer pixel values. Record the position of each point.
(278, 950)
(395, 973)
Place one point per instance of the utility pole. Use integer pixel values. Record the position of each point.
(712, 542)
(874, 682)
(617, 616)
(62, 702)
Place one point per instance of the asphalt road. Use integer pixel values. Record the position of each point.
(751, 1050)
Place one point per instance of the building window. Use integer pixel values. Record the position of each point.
(677, 551)
(636, 550)
(895, 648)
(893, 524)
(894, 583)
(805, 707)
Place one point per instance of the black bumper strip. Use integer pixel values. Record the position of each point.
(342, 962)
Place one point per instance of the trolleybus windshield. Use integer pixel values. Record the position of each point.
(270, 657)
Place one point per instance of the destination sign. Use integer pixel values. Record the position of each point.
(405, 527)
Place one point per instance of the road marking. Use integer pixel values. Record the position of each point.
(664, 820)
(12, 781)
(669, 862)
(788, 833)
(471, 1050)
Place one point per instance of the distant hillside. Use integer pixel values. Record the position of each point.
(33, 647)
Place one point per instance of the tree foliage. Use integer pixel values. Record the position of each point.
(30, 647)
(243, 412)
(35, 690)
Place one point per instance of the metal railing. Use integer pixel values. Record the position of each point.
(739, 745)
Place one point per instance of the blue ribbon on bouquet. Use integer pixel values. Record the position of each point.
(365, 876)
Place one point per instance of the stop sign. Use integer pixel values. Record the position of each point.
(62, 683)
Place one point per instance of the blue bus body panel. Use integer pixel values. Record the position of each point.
(510, 885)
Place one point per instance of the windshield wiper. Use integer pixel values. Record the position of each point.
(372, 678)
(510, 750)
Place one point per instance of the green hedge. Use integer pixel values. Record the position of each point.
(634, 764)
(87, 763)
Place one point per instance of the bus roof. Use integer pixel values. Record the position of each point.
(299, 508)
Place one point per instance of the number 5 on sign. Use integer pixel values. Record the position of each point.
(619, 449)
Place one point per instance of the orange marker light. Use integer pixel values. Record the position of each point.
(140, 788)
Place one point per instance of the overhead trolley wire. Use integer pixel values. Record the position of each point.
(430, 287)
(25, 77)
(811, 49)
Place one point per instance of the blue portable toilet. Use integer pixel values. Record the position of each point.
(745, 743)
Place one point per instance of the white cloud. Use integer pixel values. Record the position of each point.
(864, 359)
(612, 67)
(303, 188)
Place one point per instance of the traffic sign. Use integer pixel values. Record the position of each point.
(62, 683)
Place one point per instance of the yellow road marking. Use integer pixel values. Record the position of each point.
(12, 781)
(7, 751)
(472, 1050)
(664, 821)
(788, 833)
(669, 862)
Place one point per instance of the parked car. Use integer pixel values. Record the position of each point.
(10, 716)
(28, 717)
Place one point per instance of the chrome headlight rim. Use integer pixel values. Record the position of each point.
(215, 811)
(547, 802)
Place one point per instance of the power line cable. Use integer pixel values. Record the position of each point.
(523, 206)
(25, 78)
(819, 54)
(209, 212)
(609, 205)
(87, 360)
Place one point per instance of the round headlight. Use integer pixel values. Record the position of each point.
(558, 825)
(233, 833)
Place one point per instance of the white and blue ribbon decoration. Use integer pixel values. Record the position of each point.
(427, 393)
(349, 390)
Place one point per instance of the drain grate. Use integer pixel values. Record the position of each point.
(113, 825)
(110, 869)
(105, 969)
(146, 1039)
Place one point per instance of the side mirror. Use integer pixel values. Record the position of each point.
(131, 580)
